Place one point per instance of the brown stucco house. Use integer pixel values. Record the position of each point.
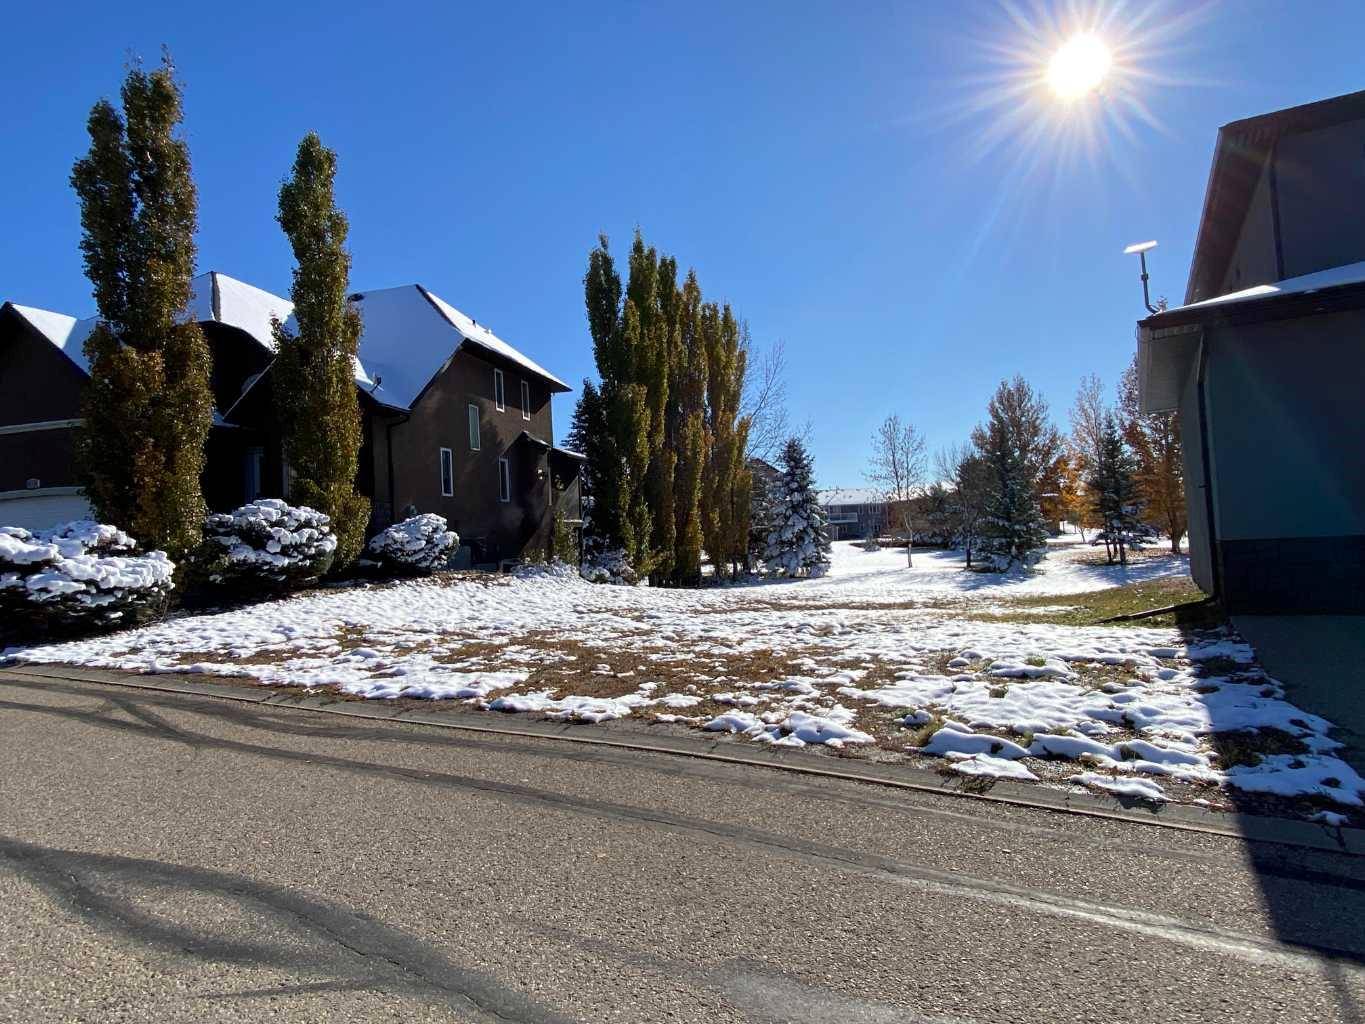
(1265, 362)
(455, 420)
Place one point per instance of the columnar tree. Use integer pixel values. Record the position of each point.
(620, 459)
(314, 376)
(727, 488)
(667, 458)
(689, 435)
(1155, 441)
(1114, 494)
(896, 469)
(798, 544)
(148, 406)
(1019, 445)
(651, 295)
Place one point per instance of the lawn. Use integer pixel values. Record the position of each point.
(978, 675)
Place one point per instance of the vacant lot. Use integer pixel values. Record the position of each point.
(977, 674)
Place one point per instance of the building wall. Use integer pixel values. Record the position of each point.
(1253, 260)
(37, 384)
(1196, 505)
(1286, 438)
(439, 419)
(1321, 179)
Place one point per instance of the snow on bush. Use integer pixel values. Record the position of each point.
(610, 567)
(798, 543)
(267, 543)
(79, 575)
(419, 544)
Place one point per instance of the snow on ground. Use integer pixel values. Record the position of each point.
(873, 655)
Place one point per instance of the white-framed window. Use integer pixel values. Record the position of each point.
(504, 480)
(525, 400)
(499, 392)
(473, 427)
(447, 472)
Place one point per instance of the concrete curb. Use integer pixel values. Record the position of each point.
(1251, 828)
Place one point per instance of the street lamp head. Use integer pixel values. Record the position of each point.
(1142, 249)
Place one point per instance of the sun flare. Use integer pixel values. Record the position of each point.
(1079, 66)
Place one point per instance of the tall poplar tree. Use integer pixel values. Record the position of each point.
(314, 375)
(148, 406)
(727, 490)
(689, 434)
(620, 461)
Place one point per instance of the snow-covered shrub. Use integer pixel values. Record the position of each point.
(871, 543)
(610, 567)
(267, 544)
(419, 544)
(79, 575)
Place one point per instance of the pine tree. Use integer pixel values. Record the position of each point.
(1114, 494)
(1019, 445)
(313, 373)
(586, 432)
(798, 544)
(148, 407)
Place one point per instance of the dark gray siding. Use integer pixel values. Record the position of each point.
(1321, 187)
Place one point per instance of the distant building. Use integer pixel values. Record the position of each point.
(1265, 362)
(454, 420)
(854, 512)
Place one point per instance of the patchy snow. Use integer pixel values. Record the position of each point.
(811, 662)
(1139, 788)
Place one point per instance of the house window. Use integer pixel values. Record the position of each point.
(504, 480)
(525, 400)
(473, 427)
(447, 472)
(499, 396)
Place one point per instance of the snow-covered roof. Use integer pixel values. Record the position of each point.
(852, 496)
(217, 298)
(408, 335)
(66, 332)
(1333, 277)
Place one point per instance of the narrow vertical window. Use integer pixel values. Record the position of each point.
(525, 400)
(473, 427)
(447, 472)
(499, 396)
(504, 480)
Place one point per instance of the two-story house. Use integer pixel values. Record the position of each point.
(455, 420)
(854, 512)
(1265, 362)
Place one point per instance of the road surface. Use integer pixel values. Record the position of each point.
(181, 858)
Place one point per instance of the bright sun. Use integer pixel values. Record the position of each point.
(1078, 67)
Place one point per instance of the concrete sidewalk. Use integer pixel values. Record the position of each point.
(1321, 661)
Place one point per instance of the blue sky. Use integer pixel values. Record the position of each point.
(820, 165)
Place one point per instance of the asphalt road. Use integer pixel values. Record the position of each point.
(178, 858)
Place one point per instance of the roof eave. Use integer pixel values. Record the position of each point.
(1333, 299)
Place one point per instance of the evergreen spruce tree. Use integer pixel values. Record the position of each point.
(1020, 446)
(1114, 493)
(313, 373)
(798, 543)
(148, 406)
(586, 431)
